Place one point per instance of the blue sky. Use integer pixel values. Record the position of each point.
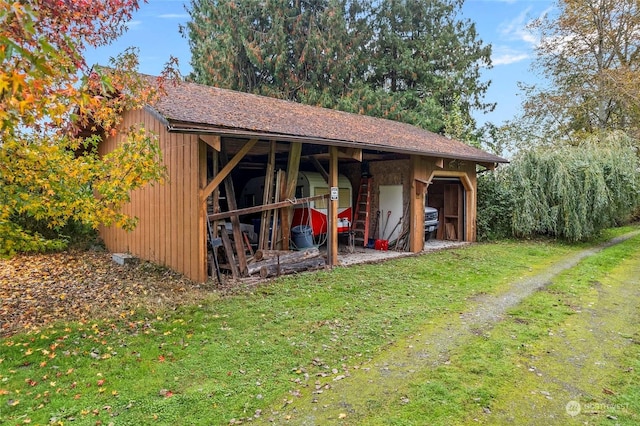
(501, 23)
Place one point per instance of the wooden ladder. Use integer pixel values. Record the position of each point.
(360, 225)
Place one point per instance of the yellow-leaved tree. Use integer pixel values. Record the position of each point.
(53, 111)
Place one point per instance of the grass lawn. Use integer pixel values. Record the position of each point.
(235, 357)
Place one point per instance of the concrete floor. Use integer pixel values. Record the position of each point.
(367, 255)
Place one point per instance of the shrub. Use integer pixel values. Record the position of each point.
(570, 192)
(495, 205)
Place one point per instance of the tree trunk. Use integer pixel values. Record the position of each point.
(285, 258)
(268, 271)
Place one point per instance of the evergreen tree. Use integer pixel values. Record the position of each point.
(409, 60)
(421, 49)
(296, 50)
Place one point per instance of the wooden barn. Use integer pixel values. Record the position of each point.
(215, 141)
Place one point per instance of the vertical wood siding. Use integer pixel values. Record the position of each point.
(168, 214)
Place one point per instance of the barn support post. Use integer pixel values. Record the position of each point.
(332, 211)
(416, 204)
(295, 151)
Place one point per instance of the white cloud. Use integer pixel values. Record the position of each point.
(173, 16)
(516, 29)
(518, 40)
(509, 58)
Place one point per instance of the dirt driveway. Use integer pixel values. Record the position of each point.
(570, 366)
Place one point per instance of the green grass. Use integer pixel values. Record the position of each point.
(234, 355)
(507, 376)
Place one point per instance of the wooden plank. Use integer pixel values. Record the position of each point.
(175, 180)
(350, 153)
(332, 211)
(267, 207)
(215, 195)
(202, 214)
(274, 225)
(197, 244)
(265, 218)
(214, 141)
(235, 219)
(157, 129)
(416, 204)
(228, 249)
(319, 168)
(180, 228)
(226, 170)
(290, 191)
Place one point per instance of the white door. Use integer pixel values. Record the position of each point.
(390, 211)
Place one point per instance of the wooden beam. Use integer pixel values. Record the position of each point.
(280, 176)
(228, 248)
(332, 211)
(319, 168)
(421, 185)
(416, 204)
(266, 207)
(293, 166)
(238, 239)
(202, 214)
(352, 153)
(267, 193)
(212, 140)
(226, 170)
(439, 162)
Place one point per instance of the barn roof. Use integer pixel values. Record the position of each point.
(191, 107)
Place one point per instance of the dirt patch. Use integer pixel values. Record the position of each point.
(36, 290)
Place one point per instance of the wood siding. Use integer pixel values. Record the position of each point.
(169, 229)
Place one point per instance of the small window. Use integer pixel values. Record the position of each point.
(320, 204)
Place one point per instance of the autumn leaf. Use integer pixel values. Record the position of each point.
(166, 393)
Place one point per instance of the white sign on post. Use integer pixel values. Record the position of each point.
(334, 193)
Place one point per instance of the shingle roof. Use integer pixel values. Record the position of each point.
(188, 106)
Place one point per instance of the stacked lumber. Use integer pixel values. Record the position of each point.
(273, 263)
